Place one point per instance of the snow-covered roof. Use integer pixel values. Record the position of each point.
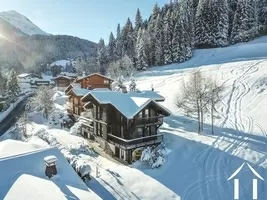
(68, 74)
(62, 63)
(73, 85)
(79, 91)
(147, 94)
(23, 176)
(24, 75)
(127, 105)
(62, 76)
(94, 74)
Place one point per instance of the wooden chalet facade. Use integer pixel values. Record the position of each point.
(75, 106)
(118, 131)
(63, 81)
(93, 81)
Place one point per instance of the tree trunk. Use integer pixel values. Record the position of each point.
(212, 108)
(198, 118)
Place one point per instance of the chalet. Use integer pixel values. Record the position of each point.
(95, 80)
(121, 123)
(63, 81)
(71, 86)
(75, 105)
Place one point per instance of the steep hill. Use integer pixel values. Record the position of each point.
(24, 46)
(22, 23)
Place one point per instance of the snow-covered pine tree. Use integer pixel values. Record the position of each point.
(138, 21)
(127, 39)
(3, 81)
(12, 86)
(212, 24)
(159, 55)
(118, 42)
(221, 22)
(132, 85)
(111, 48)
(187, 11)
(152, 31)
(102, 57)
(141, 57)
(168, 37)
(262, 8)
(245, 24)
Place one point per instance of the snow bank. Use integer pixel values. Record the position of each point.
(154, 156)
(78, 164)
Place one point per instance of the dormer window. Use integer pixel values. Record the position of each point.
(106, 81)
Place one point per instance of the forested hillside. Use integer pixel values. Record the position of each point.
(23, 52)
(173, 31)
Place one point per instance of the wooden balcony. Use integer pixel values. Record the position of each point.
(135, 143)
(157, 120)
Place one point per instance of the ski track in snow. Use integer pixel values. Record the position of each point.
(204, 160)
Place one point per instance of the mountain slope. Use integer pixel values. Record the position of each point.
(201, 164)
(24, 46)
(22, 23)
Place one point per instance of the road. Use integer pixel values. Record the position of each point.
(12, 118)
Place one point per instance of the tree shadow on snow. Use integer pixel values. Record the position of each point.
(194, 170)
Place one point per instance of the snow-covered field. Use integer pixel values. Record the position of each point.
(198, 166)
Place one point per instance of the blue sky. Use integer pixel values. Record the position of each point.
(89, 19)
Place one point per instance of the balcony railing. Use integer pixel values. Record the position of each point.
(149, 120)
(137, 142)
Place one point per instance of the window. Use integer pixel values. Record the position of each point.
(146, 112)
(106, 82)
(76, 111)
(76, 101)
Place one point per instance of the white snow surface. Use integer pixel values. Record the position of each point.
(22, 23)
(196, 166)
(26, 179)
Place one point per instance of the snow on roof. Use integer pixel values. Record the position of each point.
(102, 89)
(24, 75)
(7, 147)
(82, 77)
(73, 85)
(128, 106)
(79, 91)
(147, 94)
(68, 74)
(50, 159)
(25, 178)
(61, 76)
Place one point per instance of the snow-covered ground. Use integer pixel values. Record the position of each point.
(198, 166)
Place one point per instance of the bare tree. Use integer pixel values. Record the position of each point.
(43, 101)
(193, 99)
(214, 97)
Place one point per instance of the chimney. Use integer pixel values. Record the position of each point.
(50, 166)
(152, 88)
(84, 74)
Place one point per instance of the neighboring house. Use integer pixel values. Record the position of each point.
(40, 82)
(71, 86)
(69, 74)
(25, 174)
(148, 94)
(75, 105)
(63, 81)
(95, 80)
(28, 76)
(121, 123)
